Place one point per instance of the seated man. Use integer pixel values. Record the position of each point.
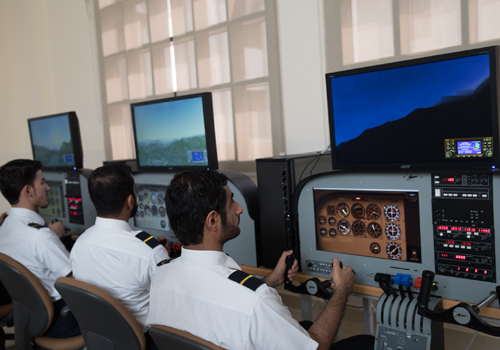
(210, 297)
(25, 238)
(112, 256)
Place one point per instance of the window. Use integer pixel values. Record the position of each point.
(157, 48)
(374, 32)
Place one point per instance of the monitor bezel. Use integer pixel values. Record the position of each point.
(76, 141)
(492, 165)
(208, 117)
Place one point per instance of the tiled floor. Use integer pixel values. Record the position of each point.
(456, 338)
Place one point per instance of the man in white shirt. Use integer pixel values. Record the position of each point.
(112, 256)
(209, 296)
(25, 238)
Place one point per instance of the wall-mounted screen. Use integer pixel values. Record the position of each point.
(378, 224)
(437, 112)
(175, 133)
(56, 141)
(151, 211)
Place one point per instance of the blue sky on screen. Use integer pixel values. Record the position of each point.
(50, 132)
(169, 120)
(364, 101)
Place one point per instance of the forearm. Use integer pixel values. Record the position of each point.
(325, 328)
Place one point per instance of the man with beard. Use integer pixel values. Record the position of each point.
(25, 237)
(109, 254)
(210, 297)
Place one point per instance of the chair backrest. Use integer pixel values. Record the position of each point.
(104, 321)
(34, 305)
(168, 338)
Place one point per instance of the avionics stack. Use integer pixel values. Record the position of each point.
(416, 144)
(56, 142)
(177, 134)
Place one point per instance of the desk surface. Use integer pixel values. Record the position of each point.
(487, 311)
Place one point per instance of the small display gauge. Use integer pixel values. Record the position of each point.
(344, 227)
(358, 211)
(393, 231)
(330, 210)
(146, 198)
(358, 228)
(322, 231)
(322, 220)
(331, 221)
(375, 248)
(374, 230)
(391, 212)
(394, 251)
(332, 232)
(342, 210)
(448, 179)
(373, 212)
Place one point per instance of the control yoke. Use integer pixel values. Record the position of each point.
(462, 314)
(312, 286)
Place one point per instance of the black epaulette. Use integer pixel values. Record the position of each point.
(164, 262)
(148, 239)
(35, 225)
(246, 279)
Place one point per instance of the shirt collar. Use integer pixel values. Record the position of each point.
(27, 213)
(209, 257)
(113, 224)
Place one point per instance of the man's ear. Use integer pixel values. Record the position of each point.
(26, 191)
(130, 201)
(212, 222)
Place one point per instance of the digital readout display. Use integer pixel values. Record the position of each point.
(464, 229)
(468, 147)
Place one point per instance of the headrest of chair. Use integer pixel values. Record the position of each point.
(96, 291)
(187, 335)
(31, 279)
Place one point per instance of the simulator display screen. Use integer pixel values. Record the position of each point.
(51, 140)
(378, 224)
(171, 133)
(56, 201)
(151, 211)
(403, 114)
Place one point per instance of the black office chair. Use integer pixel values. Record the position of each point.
(6, 319)
(33, 309)
(105, 323)
(168, 338)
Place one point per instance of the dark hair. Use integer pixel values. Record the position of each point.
(15, 175)
(190, 196)
(109, 188)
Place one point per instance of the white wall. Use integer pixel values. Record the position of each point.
(301, 33)
(48, 65)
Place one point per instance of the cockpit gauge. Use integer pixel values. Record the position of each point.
(322, 231)
(373, 212)
(342, 210)
(358, 228)
(358, 211)
(392, 231)
(332, 221)
(332, 232)
(344, 227)
(391, 212)
(375, 248)
(154, 198)
(147, 210)
(330, 210)
(162, 211)
(322, 220)
(154, 210)
(374, 230)
(146, 197)
(161, 198)
(394, 251)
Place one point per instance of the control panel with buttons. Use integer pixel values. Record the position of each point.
(462, 206)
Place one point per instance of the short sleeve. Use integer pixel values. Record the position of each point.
(51, 253)
(273, 327)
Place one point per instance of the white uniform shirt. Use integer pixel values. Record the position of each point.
(109, 256)
(193, 293)
(39, 250)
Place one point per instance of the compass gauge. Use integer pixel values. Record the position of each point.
(394, 251)
(358, 228)
(391, 212)
(392, 231)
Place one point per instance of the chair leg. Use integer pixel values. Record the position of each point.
(2, 339)
(21, 336)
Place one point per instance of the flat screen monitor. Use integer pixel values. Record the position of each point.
(175, 134)
(55, 209)
(371, 223)
(56, 142)
(151, 211)
(430, 113)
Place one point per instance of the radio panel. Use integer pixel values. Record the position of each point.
(469, 147)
